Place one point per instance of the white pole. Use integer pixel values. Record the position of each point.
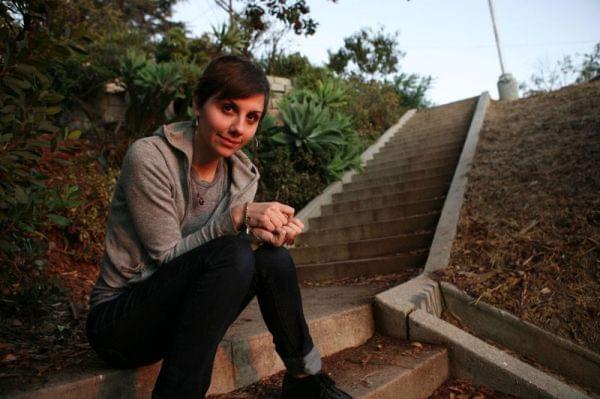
(507, 85)
(496, 35)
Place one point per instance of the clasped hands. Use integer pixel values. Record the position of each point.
(271, 222)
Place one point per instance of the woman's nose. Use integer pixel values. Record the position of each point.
(237, 126)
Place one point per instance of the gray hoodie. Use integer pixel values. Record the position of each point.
(150, 202)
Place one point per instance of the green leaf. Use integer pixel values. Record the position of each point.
(53, 110)
(8, 109)
(23, 84)
(59, 220)
(21, 195)
(74, 135)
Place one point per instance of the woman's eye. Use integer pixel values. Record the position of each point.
(227, 108)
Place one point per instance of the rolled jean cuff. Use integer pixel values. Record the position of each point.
(309, 364)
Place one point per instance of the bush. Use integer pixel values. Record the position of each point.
(30, 204)
(374, 106)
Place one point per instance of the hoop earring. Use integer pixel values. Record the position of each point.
(256, 143)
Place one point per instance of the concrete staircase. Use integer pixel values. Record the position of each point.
(381, 222)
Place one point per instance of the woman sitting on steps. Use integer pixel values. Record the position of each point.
(186, 249)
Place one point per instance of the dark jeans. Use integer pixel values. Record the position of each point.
(182, 311)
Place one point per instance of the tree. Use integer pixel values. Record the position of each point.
(563, 72)
(590, 66)
(373, 54)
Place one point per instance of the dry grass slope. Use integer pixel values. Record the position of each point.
(528, 238)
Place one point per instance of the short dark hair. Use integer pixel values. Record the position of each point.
(231, 76)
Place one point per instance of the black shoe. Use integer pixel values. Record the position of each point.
(318, 386)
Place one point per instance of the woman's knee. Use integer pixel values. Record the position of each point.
(235, 252)
(274, 261)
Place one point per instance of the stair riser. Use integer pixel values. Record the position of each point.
(369, 231)
(424, 155)
(434, 155)
(402, 148)
(367, 267)
(419, 384)
(392, 188)
(397, 178)
(421, 122)
(361, 249)
(384, 201)
(331, 334)
(375, 215)
(417, 135)
(400, 151)
(368, 174)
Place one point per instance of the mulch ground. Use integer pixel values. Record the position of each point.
(528, 237)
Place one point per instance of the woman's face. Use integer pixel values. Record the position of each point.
(226, 125)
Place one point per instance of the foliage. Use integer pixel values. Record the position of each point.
(412, 89)
(369, 53)
(309, 126)
(374, 106)
(563, 72)
(590, 65)
(230, 39)
(291, 179)
(286, 65)
(151, 87)
(173, 46)
(31, 143)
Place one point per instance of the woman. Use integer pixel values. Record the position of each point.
(186, 249)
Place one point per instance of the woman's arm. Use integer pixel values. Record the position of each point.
(148, 191)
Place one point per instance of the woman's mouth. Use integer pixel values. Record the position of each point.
(228, 142)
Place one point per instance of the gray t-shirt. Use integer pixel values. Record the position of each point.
(205, 197)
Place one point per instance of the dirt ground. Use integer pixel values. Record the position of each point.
(528, 238)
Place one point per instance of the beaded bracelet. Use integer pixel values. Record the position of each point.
(245, 223)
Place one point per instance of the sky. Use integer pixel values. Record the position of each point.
(450, 40)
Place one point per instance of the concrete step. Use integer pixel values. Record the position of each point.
(403, 147)
(434, 137)
(338, 318)
(374, 164)
(362, 267)
(371, 173)
(429, 133)
(383, 201)
(365, 231)
(350, 195)
(397, 178)
(375, 215)
(400, 155)
(422, 121)
(390, 370)
(382, 368)
(361, 249)
(401, 150)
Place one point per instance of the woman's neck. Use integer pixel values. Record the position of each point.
(204, 163)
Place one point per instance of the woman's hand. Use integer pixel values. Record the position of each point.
(284, 235)
(275, 238)
(265, 215)
(292, 229)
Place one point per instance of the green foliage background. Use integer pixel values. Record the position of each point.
(56, 182)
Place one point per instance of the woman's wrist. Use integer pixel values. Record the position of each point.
(237, 214)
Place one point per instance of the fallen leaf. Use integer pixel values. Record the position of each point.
(9, 357)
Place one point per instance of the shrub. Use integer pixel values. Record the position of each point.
(374, 106)
(29, 204)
